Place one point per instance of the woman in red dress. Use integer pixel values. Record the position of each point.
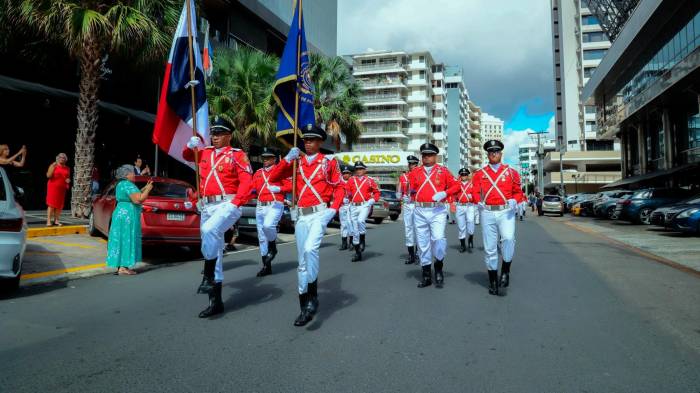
(59, 180)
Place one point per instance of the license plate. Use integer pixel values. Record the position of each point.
(175, 216)
(250, 221)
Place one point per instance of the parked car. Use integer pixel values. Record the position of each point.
(687, 220)
(588, 205)
(553, 204)
(248, 221)
(169, 214)
(380, 211)
(638, 208)
(13, 235)
(605, 207)
(394, 203)
(664, 215)
(571, 200)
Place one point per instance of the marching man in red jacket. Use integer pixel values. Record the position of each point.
(346, 230)
(408, 206)
(466, 210)
(269, 208)
(497, 190)
(224, 186)
(319, 193)
(430, 184)
(364, 193)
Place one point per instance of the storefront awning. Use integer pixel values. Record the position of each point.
(21, 86)
(626, 182)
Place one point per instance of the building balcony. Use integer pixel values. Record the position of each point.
(416, 82)
(438, 136)
(382, 83)
(438, 91)
(439, 106)
(392, 146)
(368, 69)
(417, 130)
(417, 113)
(388, 132)
(439, 121)
(382, 99)
(383, 116)
(579, 159)
(439, 76)
(580, 179)
(416, 65)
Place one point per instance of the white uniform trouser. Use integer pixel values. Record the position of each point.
(214, 223)
(309, 231)
(345, 221)
(495, 225)
(267, 218)
(409, 223)
(430, 231)
(359, 215)
(522, 206)
(466, 217)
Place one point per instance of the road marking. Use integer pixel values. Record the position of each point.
(56, 231)
(56, 242)
(636, 250)
(62, 271)
(41, 253)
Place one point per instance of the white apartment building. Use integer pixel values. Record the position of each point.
(491, 128)
(474, 124)
(457, 131)
(527, 155)
(579, 44)
(404, 100)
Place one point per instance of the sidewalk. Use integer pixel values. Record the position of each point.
(671, 248)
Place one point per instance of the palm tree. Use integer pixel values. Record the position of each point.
(90, 30)
(240, 91)
(336, 96)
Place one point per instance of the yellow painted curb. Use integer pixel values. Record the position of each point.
(57, 231)
(62, 271)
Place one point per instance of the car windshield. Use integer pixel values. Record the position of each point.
(388, 194)
(551, 198)
(641, 194)
(166, 190)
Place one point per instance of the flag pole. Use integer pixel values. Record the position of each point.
(192, 87)
(296, 106)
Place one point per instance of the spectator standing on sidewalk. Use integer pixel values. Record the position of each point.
(9, 163)
(140, 169)
(58, 183)
(124, 245)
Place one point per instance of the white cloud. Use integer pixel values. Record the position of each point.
(504, 46)
(514, 138)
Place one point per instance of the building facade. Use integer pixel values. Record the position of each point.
(475, 146)
(457, 131)
(646, 91)
(404, 98)
(579, 43)
(491, 128)
(529, 165)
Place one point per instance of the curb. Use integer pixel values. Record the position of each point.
(57, 231)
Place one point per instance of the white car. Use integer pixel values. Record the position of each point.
(13, 235)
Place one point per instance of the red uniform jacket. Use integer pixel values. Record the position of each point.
(230, 166)
(464, 194)
(440, 178)
(361, 189)
(322, 173)
(404, 186)
(496, 188)
(261, 183)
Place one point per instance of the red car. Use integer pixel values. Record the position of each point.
(169, 215)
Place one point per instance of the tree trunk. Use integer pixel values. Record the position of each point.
(87, 125)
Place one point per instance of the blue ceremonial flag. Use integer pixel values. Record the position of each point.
(293, 89)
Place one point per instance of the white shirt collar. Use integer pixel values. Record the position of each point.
(428, 169)
(495, 166)
(310, 158)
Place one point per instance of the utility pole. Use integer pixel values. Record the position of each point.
(540, 159)
(562, 150)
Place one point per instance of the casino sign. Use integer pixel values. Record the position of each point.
(375, 158)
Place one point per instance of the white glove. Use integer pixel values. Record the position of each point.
(370, 202)
(195, 142)
(346, 201)
(328, 215)
(439, 196)
(292, 155)
(406, 199)
(274, 188)
(398, 195)
(481, 205)
(513, 204)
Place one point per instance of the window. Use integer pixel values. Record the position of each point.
(421, 59)
(589, 20)
(588, 72)
(422, 74)
(595, 54)
(590, 109)
(593, 36)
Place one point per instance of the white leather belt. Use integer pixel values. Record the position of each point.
(428, 204)
(218, 198)
(270, 203)
(495, 208)
(358, 203)
(305, 211)
(464, 204)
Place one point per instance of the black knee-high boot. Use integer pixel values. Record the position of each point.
(470, 242)
(362, 242)
(312, 303)
(304, 317)
(216, 306)
(462, 245)
(426, 277)
(411, 255)
(271, 250)
(505, 274)
(358, 253)
(439, 277)
(493, 282)
(343, 243)
(207, 284)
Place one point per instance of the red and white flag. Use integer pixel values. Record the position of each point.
(173, 126)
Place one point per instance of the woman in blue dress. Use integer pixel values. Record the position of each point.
(124, 245)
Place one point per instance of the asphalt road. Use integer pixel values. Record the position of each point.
(581, 315)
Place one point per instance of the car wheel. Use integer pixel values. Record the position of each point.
(378, 220)
(91, 226)
(9, 285)
(610, 213)
(645, 216)
(394, 217)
